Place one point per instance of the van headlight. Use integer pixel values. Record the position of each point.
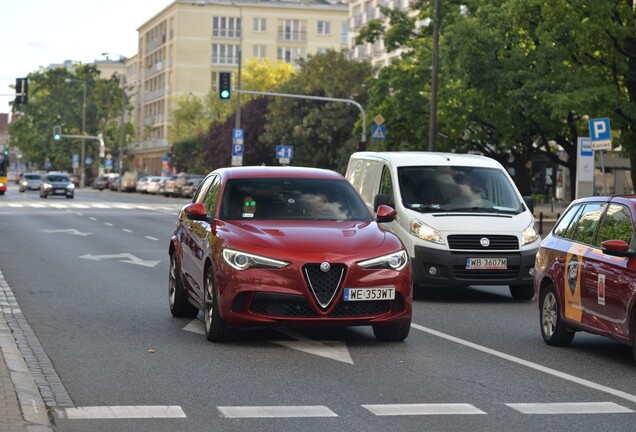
(529, 234)
(242, 260)
(394, 261)
(426, 232)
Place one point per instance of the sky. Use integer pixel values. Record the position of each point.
(36, 33)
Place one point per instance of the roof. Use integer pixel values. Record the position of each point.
(413, 158)
(278, 172)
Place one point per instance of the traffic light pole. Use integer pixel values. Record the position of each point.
(363, 138)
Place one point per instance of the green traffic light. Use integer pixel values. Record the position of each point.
(225, 94)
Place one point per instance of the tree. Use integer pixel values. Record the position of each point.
(323, 133)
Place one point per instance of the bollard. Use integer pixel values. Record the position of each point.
(540, 223)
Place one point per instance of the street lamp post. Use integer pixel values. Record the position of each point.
(122, 123)
(237, 120)
(83, 152)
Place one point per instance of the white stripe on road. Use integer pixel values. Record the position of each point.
(102, 206)
(15, 205)
(108, 224)
(423, 409)
(570, 408)
(276, 411)
(535, 366)
(152, 238)
(120, 412)
(60, 206)
(84, 206)
(126, 230)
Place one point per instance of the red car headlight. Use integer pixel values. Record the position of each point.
(394, 261)
(242, 260)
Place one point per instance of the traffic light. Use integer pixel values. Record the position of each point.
(57, 133)
(225, 84)
(21, 91)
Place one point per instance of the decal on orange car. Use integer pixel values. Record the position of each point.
(572, 283)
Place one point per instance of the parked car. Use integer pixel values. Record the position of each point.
(129, 182)
(57, 184)
(153, 184)
(30, 181)
(101, 183)
(255, 247)
(585, 272)
(169, 186)
(461, 217)
(142, 184)
(114, 184)
(191, 184)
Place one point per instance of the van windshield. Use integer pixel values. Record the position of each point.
(457, 188)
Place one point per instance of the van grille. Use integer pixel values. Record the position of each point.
(473, 242)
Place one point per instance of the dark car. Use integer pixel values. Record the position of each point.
(287, 246)
(101, 183)
(585, 272)
(57, 184)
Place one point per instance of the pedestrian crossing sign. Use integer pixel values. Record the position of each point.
(378, 132)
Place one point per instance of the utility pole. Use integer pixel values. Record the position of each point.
(432, 128)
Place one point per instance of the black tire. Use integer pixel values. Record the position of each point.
(392, 332)
(522, 292)
(215, 328)
(632, 336)
(180, 307)
(553, 330)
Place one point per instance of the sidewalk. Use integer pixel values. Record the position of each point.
(21, 406)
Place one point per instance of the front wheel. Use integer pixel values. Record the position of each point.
(180, 307)
(553, 330)
(215, 328)
(392, 332)
(522, 292)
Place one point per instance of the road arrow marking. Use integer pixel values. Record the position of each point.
(123, 257)
(333, 350)
(71, 231)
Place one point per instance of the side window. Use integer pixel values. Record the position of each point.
(565, 225)
(212, 196)
(617, 224)
(203, 189)
(588, 222)
(386, 185)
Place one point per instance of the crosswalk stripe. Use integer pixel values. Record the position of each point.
(423, 409)
(121, 412)
(15, 205)
(570, 408)
(276, 411)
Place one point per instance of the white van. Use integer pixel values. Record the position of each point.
(460, 216)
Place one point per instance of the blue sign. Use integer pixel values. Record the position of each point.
(378, 132)
(284, 152)
(237, 135)
(586, 147)
(237, 149)
(600, 129)
(108, 163)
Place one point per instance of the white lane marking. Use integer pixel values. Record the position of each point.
(423, 409)
(59, 205)
(126, 230)
(122, 206)
(102, 206)
(38, 205)
(120, 412)
(276, 411)
(195, 326)
(334, 350)
(152, 238)
(535, 366)
(108, 224)
(15, 205)
(570, 408)
(71, 231)
(142, 207)
(92, 218)
(84, 206)
(122, 257)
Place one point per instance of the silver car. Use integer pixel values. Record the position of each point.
(30, 181)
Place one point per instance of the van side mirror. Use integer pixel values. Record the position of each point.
(529, 203)
(381, 199)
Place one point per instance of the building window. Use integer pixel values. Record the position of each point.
(290, 54)
(324, 28)
(322, 50)
(292, 30)
(260, 25)
(226, 27)
(224, 54)
(259, 51)
(344, 38)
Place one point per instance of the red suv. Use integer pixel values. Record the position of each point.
(585, 272)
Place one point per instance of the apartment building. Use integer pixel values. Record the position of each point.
(184, 46)
(360, 13)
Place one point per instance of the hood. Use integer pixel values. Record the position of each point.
(307, 237)
(481, 223)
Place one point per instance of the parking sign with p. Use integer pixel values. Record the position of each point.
(600, 134)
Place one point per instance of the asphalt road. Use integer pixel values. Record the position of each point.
(90, 275)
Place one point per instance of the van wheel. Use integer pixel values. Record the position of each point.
(522, 292)
(553, 330)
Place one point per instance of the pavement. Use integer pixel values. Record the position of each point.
(22, 408)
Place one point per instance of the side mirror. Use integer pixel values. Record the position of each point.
(386, 214)
(616, 247)
(529, 203)
(381, 199)
(196, 211)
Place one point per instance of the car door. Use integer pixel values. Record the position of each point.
(197, 234)
(609, 279)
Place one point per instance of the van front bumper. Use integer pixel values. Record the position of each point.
(437, 268)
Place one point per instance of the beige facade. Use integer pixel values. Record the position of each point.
(183, 47)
